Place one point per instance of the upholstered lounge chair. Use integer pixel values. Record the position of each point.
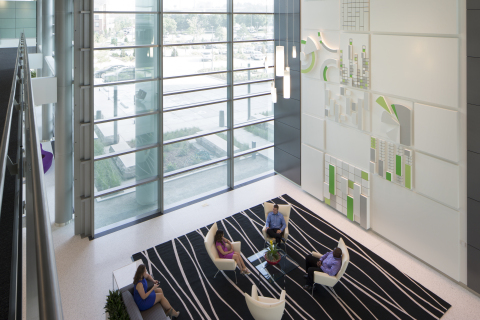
(263, 308)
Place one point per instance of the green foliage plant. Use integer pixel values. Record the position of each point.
(115, 307)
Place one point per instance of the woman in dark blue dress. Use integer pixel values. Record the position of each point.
(146, 299)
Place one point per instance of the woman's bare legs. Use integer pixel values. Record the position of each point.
(239, 260)
(164, 302)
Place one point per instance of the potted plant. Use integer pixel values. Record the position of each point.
(272, 256)
(114, 307)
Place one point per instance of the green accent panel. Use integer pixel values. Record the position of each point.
(395, 110)
(25, 14)
(319, 33)
(29, 32)
(325, 73)
(373, 143)
(350, 184)
(327, 201)
(310, 67)
(7, 13)
(350, 208)
(365, 175)
(331, 179)
(26, 5)
(26, 23)
(303, 41)
(408, 176)
(389, 176)
(381, 101)
(398, 165)
(7, 23)
(7, 33)
(7, 4)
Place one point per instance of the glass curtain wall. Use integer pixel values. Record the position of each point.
(181, 102)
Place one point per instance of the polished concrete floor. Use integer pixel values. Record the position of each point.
(85, 267)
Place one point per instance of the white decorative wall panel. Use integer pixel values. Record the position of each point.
(437, 179)
(313, 131)
(348, 144)
(414, 16)
(313, 96)
(421, 68)
(417, 224)
(321, 15)
(312, 171)
(436, 131)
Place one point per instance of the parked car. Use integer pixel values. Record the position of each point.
(257, 55)
(100, 73)
(122, 74)
(207, 56)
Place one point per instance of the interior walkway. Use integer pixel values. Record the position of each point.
(85, 267)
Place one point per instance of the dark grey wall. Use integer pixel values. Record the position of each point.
(287, 111)
(473, 144)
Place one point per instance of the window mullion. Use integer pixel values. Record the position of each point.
(230, 113)
(160, 107)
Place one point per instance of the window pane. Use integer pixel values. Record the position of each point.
(254, 136)
(126, 169)
(252, 54)
(253, 6)
(126, 204)
(195, 6)
(188, 28)
(192, 152)
(125, 5)
(195, 184)
(123, 135)
(185, 60)
(185, 99)
(183, 123)
(252, 26)
(189, 83)
(252, 88)
(260, 107)
(252, 75)
(116, 30)
(253, 165)
(125, 100)
(125, 64)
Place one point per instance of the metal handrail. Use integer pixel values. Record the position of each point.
(6, 129)
(50, 306)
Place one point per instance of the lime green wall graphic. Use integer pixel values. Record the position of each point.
(331, 181)
(408, 176)
(373, 143)
(398, 165)
(312, 64)
(364, 175)
(381, 101)
(309, 52)
(395, 111)
(389, 176)
(350, 184)
(350, 208)
(327, 201)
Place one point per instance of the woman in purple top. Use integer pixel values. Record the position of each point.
(144, 298)
(225, 253)
(330, 263)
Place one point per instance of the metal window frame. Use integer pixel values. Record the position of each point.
(84, 106)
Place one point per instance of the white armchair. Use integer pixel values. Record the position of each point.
(221, 264)
(263, 308)
(284, 209)
(325, 279)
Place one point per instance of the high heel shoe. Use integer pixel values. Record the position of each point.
(172, 313)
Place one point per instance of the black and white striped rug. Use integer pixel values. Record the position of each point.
(370, 289)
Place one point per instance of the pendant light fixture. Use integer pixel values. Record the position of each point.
(274, 92)
(279, 50)
(294, 48)
(286, 76)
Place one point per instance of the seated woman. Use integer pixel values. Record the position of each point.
(224, 253)
(146, 299)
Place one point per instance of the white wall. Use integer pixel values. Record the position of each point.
(418, 59)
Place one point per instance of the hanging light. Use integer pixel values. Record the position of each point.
(274, 92)
(286, 83)
(294, 48)
(280, 57)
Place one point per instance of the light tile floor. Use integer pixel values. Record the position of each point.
(85, 267)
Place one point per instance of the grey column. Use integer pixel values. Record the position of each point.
(63, 112)
(39, 29)
(47, 50)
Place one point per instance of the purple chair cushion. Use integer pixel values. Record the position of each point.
(47, 158)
